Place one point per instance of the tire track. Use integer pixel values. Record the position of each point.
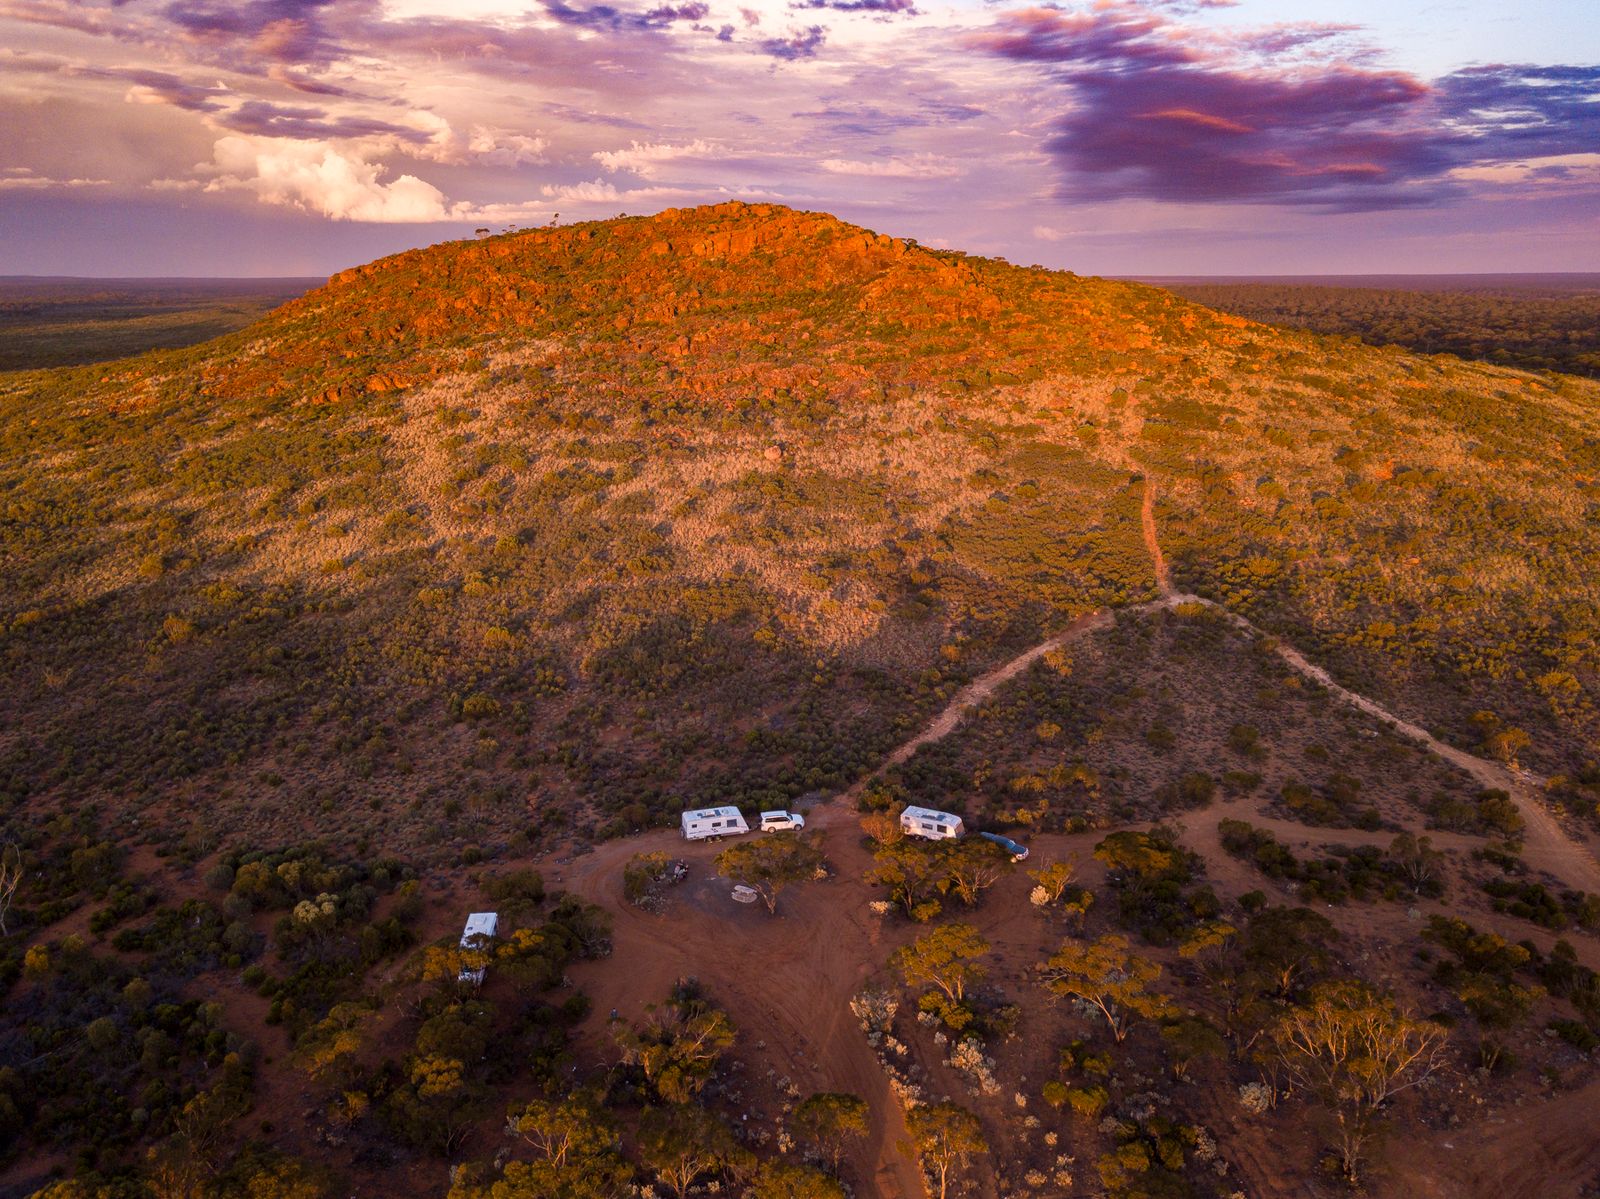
(1545, 843)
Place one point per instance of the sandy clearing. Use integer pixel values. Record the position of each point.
(791, 977)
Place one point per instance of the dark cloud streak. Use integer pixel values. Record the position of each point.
(605, 16)
(800, 43)
(264, 119)
(1157, 111)
(891, 8)
(283, 31)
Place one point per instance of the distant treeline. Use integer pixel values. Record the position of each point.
(69, 322)
(1534, 328)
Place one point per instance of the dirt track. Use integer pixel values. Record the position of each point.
(1147, 521)
(1546, 847)
(982, 688)
(792, 977)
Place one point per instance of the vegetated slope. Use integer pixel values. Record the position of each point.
(586, 523)
(1512, 322)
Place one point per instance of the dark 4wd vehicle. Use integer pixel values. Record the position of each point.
(1017, 852)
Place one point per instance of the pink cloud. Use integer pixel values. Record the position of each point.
(1153, 108)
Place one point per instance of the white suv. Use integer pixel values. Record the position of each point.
(775, 821)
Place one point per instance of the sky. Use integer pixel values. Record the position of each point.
(1118, 137)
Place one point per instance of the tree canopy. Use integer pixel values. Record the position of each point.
(772, 862)
(1108, 976)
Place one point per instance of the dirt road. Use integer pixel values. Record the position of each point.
(1546, 846)
(981, 689)
(1152, 543)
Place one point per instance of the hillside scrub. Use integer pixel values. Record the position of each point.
(490, 514)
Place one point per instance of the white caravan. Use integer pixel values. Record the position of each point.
(930, 823)
(706, 823)
(772, 822)
(477, 938)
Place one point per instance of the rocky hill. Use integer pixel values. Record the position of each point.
(595, 519)
(320, 634)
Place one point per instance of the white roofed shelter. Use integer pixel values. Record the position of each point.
(478, 940)
(704, 823)
(931, 823)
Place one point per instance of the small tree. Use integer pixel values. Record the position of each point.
(10, 880)
(771, 863)
(947, 1136)
(180, 1167)
(1105, 974)
(1053, 879)
(828, 1120)
(171, 1171)
(575, 1154)
(883, 828)
(1506, 743)
(1190, 1040)
(1418, 860)
(682, 1142)
(565, 1132)
(1146, 856)
(1285, 945)
(780, 1180)
(946, 957)
(678, 1048)
(910, 871)
(1212, 937)
(330, 1050)
(451, 968)
(1354, 1050)
(970, 866)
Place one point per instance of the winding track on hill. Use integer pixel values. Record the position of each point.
(980, 690)
(1152, 543)
(1546, 844)
(811, 964)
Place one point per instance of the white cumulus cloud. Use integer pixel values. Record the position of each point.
(484, 144)
(915, 166)
(647, 159)
(502, 149)
(323, 178)
(593, 192)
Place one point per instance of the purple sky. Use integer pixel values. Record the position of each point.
(291, 137)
